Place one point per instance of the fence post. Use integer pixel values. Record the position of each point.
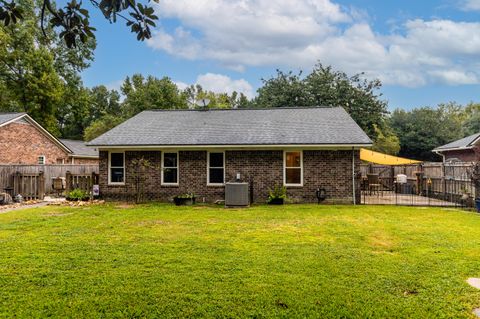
(16, 183)
(41, 186)
(419, 175)
(68, 182)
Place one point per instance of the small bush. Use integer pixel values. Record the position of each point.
(186, 196)
(278, 192)
(78, 194)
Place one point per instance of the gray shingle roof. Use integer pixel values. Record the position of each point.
(465, 142)
(5, 117)
(276, 126)
(79, 148)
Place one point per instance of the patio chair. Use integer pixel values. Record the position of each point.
(374, 185)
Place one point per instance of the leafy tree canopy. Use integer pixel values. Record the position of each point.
(37, 72)
(73, 20)
(325, 86)
(423, 129)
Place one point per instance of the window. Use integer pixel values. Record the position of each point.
(293, 168)
(41, 160)
(117, 168)
(216, 168)
(169, 168)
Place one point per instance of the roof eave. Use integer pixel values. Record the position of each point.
(232, 146)
(452, 149)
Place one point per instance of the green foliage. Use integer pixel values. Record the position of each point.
(278, 192)
(100, 126)
(195, 93)
(471, 124)
(150, 93)
(186, 196)
(325, 86)
(294, 261)
(386, 142)
(423, 129)
(78, 194)
(39, 74)
(74, 20)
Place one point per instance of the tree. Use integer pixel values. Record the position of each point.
(194, 93)
(102, 102)
(326, 87)
(149, 94)
(423, 129)
(73, 19)
(386, 142)
(283, 90)
(39, 74)
(471, 125)
(100, 126)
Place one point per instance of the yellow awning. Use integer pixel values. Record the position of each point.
(384, 159)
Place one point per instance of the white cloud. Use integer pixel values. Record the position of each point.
(471, 5)
(297, 34)
(219, 83)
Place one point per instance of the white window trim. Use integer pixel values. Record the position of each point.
(44, 159)
(208, 169)
(285, 169)
(110, 169)
(178, 169)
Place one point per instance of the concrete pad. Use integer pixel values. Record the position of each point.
(474, 282)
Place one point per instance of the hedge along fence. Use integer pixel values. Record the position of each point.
(7, 173)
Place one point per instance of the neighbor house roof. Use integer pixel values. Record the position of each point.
(463, 143)
(8, 117)
(79, 148)
(275, 126)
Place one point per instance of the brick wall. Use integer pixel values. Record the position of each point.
(331, 170)
(463, 155)
(83, 161)
(22, 143)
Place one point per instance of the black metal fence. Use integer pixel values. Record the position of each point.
(429, 184)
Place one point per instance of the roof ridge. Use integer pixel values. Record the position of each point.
(245, 109)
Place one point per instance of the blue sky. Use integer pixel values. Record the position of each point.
(425, 52)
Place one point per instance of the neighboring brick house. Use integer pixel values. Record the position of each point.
(24, 141)
(466, 149)
(198, 151)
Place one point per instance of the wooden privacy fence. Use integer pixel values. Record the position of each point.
(49, 173)
(84, 182)
(30, 186)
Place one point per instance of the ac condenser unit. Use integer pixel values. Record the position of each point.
(236, 194)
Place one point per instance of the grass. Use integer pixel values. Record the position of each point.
(302, 261)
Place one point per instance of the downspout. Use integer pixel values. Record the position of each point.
(353, 177)
(442, 155)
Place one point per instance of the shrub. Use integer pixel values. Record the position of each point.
(186, 196)
(78, 194)
(276, 193)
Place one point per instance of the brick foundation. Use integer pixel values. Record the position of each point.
(331, 170)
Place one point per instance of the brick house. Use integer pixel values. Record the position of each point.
(466, 149)
(24, 141)
(198, 151)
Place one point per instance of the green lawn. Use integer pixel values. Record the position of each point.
(292, 262)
